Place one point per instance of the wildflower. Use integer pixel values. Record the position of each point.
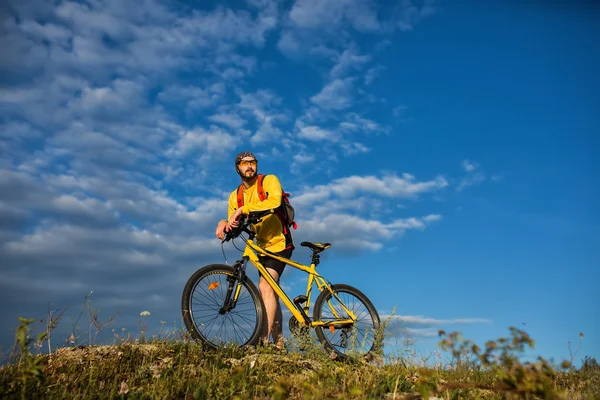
(71, 339)
(124, 388)
(144, 313)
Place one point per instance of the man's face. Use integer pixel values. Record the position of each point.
(247, 168)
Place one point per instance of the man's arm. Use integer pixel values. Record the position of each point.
(232, 205)
(273, 187)
(222, 224)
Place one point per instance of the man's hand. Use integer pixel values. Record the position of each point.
(221, 229)
(234, 220)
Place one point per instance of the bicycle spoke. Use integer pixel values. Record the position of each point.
(355, 338)
(238, 325)
(207, 300)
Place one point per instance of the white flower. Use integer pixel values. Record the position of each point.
(144, 313)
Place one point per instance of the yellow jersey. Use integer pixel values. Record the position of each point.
(271, 234)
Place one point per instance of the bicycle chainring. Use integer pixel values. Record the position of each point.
(295, 326)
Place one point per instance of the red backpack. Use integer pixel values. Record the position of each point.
(285, 212)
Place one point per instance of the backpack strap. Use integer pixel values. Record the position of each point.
(260, 189)
(240, 195)
(263, 196)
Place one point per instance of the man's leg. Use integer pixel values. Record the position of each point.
(277, 328)
(271, 300)
(272, 307)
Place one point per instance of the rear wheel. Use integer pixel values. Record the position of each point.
(353, 340)
(202, 308)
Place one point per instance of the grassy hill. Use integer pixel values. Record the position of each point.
(182, 369)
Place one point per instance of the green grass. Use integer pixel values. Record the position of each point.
(177, 368)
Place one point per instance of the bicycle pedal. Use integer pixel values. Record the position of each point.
(301, 299)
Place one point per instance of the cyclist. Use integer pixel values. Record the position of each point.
(271, 234)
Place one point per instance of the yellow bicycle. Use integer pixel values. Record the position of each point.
(222, 307)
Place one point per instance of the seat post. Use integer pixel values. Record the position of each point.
(316, 257)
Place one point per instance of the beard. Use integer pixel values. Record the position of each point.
(248, 175)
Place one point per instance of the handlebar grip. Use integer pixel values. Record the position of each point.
(253, 218)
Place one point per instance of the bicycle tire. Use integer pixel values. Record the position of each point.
(370, 311)
(191, 303)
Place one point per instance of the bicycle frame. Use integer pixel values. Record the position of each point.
(313, 278)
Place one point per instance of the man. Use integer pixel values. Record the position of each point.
(271, 234)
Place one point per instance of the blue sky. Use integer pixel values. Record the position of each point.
(445, 149)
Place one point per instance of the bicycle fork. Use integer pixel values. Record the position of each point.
(234, 285)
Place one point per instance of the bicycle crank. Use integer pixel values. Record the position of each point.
(295, 326)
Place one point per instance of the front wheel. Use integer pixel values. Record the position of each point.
(207, 319)
(348, 341)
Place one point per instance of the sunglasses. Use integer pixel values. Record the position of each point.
(247, 163)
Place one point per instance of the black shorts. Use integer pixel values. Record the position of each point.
(274, 264)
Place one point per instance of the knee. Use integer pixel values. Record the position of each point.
(264, 287)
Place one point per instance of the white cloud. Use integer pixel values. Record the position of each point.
(433, 218)
(391, 186)
(264, 107)
(317, 14)
(70, 205)
(469, 166)
(20, 95)
(471, 180)
(399, 110)
(407, 15)
(303, 158)
(313, 24)
(300, 161)
(87, 201)
(110, 102)
(266, 133)
(314, 133)
(366, 234)
(356, 123)
(134, 255)
(193, 98)
(348, 61)
(354, 148)
(421, 327)
(388, 185)
(206, 143)
(102, 39)
(421, 333)
(126, 112)
(325, 52)
(335, 133)
(336, 95)
(372, 73)
(419, 320)
(229, 119)
(474, 175)
(315, 115)
(289, 44)
(233, 25)
(14, 139)
(358, 204)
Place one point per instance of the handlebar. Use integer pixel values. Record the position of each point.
(253, 218)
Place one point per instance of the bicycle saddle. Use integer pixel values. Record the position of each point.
(316, 246)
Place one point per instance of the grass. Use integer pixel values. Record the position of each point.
(174, 367)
